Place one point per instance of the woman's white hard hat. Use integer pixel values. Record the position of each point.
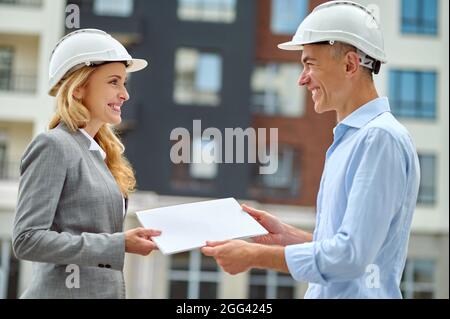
(87, 47)
(341, 21)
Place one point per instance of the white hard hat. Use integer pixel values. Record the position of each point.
(87, 47)
(341, 21)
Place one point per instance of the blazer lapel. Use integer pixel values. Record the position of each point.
(97, 161)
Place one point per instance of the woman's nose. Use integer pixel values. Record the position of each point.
(124, 95)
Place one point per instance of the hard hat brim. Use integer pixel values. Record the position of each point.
(290, 46)
(137, 65)
(134, 66)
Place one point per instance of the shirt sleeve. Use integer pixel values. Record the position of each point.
(375, 190)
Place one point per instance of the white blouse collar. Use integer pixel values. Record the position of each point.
(94, 145)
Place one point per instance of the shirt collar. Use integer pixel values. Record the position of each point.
(94, 145)
(367, 113)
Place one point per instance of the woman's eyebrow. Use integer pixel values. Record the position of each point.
(117, 76)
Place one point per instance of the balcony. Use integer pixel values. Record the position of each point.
(9, 183)
(9, 171)
(24, 3)
(26, 16)
(23, 82)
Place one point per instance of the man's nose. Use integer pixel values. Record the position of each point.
(304, 78)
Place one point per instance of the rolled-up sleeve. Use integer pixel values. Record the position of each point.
(375, 186)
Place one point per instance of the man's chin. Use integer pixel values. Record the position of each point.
(319, 108)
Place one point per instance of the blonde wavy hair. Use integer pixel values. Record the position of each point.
(75, 115)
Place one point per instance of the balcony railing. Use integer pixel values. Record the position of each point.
(9, 171)
(18, 82)
(25, 3)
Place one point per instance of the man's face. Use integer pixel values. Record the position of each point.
(324, 76)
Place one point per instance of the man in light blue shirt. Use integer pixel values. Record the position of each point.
(370, 180)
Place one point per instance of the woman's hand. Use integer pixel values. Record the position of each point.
(138, 241)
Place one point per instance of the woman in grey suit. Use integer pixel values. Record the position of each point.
(75, 180)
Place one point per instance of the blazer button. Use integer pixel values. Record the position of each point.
(101, 265)
(107, 266)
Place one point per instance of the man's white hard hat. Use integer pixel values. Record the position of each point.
(87, 47)
(341, 21)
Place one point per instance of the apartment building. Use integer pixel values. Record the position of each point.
(28, 31)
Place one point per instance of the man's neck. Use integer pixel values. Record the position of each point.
(362, 95)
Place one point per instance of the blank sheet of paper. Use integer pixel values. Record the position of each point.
(189, 226)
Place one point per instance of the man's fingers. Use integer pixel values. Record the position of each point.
(216, 243)
(208, 251)
(252, 211)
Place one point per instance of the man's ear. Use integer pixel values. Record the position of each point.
(352, 63)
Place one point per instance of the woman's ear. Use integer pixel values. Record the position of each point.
(78, 93)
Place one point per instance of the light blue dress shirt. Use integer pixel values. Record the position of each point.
(365, 205)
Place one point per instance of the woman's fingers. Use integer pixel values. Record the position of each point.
(150, 232)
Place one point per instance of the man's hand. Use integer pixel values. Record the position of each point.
(279, 232)
(236, 256)
(138, 241)
(233, 256)
(271, 223)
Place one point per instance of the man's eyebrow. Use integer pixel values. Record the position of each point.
(307, 59)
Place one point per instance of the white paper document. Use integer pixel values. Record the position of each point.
(189, 226)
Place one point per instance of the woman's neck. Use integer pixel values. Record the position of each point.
(93, 127)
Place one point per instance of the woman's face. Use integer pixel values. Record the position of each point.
(105, 93)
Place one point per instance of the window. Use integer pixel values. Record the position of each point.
(204, 162)
(6, 60)
(5, 253)
(115, 8)
(427, 188)
(413, 94)
(3, 170)
(419, 16)
(275, 90)
(198, 78)
(418, 279)
(287, 15)
(285, 182)
(9, 81)
(207, 10)
(193, 275)
(266, 284)
(202, 170)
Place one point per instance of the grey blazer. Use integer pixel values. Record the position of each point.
(69, 212)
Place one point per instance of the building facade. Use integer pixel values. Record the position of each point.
(28, 31)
